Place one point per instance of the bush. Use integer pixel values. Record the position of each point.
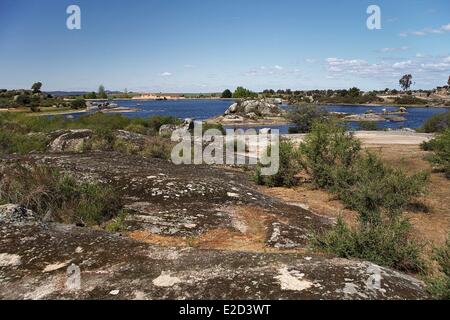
(11, 142)
(160, 148)
(372, 188)
(378, 193)
(440, 145)
(227, 94)
(439, 286)
(409, 100)
(304, 116)
(241, 93)
(368, 126)
(387, 244)
(46, 190)
(289, 158)
(437, 123)
(78, 104)
(326, 147)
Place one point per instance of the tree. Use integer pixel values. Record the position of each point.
(23, 100)
(102, 92)
(354, 92)
(78, 104)
(406, 82)
(36, 87)
(303, 117)
(448, 81)
(227, 94)
(242, 92)
(90, 95)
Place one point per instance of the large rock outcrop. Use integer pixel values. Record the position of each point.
(69, 140)
(254, 109)
(193, 232)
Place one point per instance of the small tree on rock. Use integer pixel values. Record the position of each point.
(406, 82)
(36, 87)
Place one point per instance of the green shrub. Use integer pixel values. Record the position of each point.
(289, 159)
(11, 142)
(304, 116)
(241, 93)
(439, 286)
(156, 122)
(137, 128)
(368, 126)
(440, 145)
(159, 148)
(371, 188)
(437, 123)
(78, 104)
(387, 244)
(45, 190)
(409, 100)
(117, 224)
(325, 148)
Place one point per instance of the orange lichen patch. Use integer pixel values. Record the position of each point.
(249, 233)
(317, 201)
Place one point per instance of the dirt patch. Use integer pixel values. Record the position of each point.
(249, 233)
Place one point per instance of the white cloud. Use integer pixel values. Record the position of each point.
(384, 50)
(424, 32)
(421, 67)
(310, 60)
(278, 67)
(166, 74)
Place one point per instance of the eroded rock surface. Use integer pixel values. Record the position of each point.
(34, 260)
(193, 232)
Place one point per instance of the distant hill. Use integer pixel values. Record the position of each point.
(75, 93)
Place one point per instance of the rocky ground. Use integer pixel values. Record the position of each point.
(193, 232)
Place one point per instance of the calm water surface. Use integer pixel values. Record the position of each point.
(205, 109)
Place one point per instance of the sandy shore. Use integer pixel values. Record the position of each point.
(380, 137)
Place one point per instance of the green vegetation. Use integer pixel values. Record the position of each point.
(303, 117)
(78, 104)
(22, 134)
(102, 93)
(406, 82)
(289, 167)
(327, 150)
(387, 244)
(49, 192)
(227, 94)
(439, 286)
(440, 145)
(36, 87)
(368, 126)
(333, 160)
(409, 100)
(241, 93)
(437, 123)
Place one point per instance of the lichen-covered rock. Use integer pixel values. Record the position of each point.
(203, 233)
(168, 130)
(251, 108)
(13, 213)
(69, 141)
(139, 140)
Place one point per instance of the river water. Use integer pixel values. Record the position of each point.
(205, 109)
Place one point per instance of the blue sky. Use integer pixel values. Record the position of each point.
(210, 45)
